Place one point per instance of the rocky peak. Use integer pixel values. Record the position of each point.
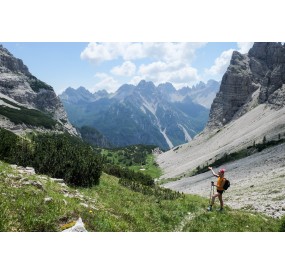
(251, 79)
(200, 85)
(166, 87)
(17, 84)
(101, 93)
(77, 95)
(146, 85)
(9, 63)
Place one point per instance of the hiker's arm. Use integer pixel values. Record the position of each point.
(213, 172)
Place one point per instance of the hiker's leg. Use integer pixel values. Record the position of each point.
(213, 198)
(220, 196)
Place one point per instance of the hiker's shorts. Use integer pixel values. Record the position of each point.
(220, 191)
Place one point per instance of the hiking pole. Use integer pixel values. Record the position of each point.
(211, 193)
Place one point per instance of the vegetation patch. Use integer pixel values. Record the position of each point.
(27, 116)
(138, 158)
(57, 155)
(37, 84)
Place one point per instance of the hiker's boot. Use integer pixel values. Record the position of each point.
(221, 209)
(209, 208)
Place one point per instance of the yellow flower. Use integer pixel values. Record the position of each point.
(90, 211)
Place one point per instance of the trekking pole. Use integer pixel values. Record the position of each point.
(211, 193)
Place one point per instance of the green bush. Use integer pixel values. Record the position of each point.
(7, 145)
(282, 224)
(63, 157)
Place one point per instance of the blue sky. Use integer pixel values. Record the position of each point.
(107, 66)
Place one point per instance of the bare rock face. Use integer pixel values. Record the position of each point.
(251, 79)
(18, 85)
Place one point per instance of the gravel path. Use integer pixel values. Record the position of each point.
(257, 182)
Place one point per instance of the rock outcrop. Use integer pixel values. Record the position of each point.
(20, 90)
(251, 79)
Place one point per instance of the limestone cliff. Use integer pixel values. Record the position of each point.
(24, 99)
(251, 79)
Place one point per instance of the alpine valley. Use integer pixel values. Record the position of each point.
(143, 114)
(52, 180)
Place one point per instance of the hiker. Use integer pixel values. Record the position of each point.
(220, 182)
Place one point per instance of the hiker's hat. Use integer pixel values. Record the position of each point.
(222, 170)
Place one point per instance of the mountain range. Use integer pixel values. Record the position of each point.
(144, 113)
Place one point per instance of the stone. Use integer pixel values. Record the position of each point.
(34, 183)
(30, 170)
(48, 199)
(78, 227)
(57, 180)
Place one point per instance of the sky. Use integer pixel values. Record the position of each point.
(109, 65)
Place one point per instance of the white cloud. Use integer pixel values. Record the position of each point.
(221, 63)
(168, 52)
(243, 47)
(170, 62)
(126, 69)
(106, 82)
(160, 72)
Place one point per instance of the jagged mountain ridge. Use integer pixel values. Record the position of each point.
(143, 114)
(249, 107)
(26, 102)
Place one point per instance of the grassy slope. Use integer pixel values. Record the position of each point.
(150, 167)
(111, 207)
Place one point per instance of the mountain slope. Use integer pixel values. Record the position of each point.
(38, 203)
(248, 109)
(257, 182)
(25, 101)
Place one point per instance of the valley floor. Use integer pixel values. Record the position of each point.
(257, 182)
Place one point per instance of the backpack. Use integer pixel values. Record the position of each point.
(227, 184)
